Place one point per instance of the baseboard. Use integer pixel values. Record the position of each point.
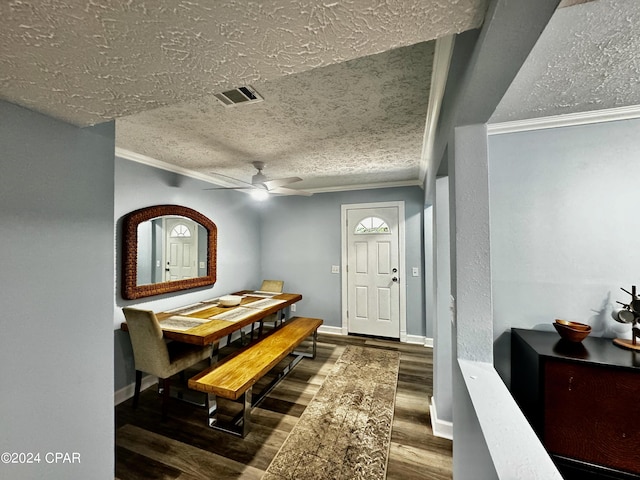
(413, 339)
(125, 393)
(420, 340)
(440, 428)
(331, 330)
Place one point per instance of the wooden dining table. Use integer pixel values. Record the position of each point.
(207, 322)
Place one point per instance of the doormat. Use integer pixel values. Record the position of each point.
(345, 432)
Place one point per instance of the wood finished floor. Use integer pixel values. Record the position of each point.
(184, 448)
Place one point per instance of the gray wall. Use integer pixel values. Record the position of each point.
(482, 67)
(257, 240)
(138, 185)
(563, 234)
(56, 357)
(301, 240)
(293, 238)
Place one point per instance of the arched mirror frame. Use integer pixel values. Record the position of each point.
(130, 289)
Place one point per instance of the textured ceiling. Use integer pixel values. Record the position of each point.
(95, 60)
(358, 122)
(346, 84)
(586, 59)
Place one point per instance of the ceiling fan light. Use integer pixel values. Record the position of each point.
(260, 194)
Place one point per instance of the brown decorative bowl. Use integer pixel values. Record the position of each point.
(572, 331)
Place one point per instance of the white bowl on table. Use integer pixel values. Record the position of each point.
(229, 300)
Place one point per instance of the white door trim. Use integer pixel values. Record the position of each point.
(401, 255)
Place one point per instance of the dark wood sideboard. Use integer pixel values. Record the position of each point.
(583, 401)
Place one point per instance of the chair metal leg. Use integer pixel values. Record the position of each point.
(165, 390)
(136, 391)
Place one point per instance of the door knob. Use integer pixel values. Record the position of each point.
(394, 279)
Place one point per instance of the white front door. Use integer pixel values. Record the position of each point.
(181, 252)
(373, 278)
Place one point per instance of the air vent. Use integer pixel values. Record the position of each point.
(237, 96)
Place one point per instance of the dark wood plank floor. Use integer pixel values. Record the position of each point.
(184, 448)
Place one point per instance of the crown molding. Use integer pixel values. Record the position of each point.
(439, 74)
(137, 157)
(366, 186)
(566, 120)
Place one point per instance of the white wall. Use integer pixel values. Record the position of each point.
(564, 236)
(56, 357)
(442, 354)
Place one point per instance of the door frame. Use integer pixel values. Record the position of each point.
(402, 264)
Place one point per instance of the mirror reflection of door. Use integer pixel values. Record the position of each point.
(181, 248)
(372, 274)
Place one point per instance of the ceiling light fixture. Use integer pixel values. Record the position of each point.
(259, 194)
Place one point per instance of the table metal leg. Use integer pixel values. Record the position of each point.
(246, 412)
(212, 410)
(241, 423)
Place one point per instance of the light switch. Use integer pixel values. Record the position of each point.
(415, 272)
(201, 264)
(335, 268)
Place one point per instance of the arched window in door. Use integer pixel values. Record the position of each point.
(180, 230)
(372, 225)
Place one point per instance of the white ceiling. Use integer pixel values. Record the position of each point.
(346, 84)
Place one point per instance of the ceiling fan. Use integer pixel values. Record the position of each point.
(262, 186)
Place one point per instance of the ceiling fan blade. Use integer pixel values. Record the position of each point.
(231, 188)
(235, 180)
(290, 191)
(279, 182)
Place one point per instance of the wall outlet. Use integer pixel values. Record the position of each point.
(415, 272)
(293, 307)
(335, 268)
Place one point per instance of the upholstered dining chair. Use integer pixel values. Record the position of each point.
(273, 286)
(153, 355)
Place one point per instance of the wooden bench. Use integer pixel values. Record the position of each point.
(234, 376)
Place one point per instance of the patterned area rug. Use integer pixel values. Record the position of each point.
(345, 432)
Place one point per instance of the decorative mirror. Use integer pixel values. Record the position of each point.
(167, 248)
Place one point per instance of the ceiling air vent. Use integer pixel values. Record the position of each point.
(239, 95)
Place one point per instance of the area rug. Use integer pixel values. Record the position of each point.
(345, 432)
